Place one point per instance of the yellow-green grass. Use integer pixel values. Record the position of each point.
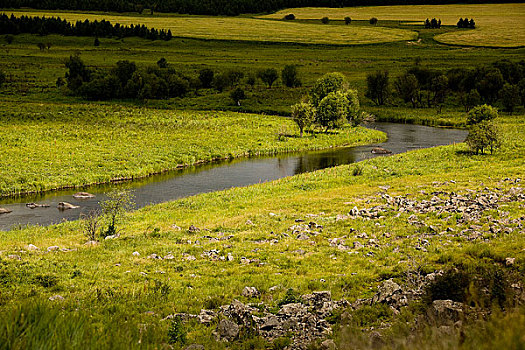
(53, 146)
(498, 25)
(110, 283)
(248, 29)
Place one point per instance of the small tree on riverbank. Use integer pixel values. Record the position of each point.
(483, 134)
(303, 114)
(114, 207)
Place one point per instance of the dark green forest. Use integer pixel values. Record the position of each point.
(214, 7)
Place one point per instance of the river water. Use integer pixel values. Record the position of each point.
(222, 175)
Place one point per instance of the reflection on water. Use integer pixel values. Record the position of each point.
(223, 175)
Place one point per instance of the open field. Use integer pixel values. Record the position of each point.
(497, 25)
(112, 285)
(61, 145)
(248, 29)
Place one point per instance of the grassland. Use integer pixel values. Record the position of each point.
(249, 29)
(112, 285)
(497, 25)
(58, 146)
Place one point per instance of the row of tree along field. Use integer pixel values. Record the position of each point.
(500, 82)
(215, 7)
(56, 25)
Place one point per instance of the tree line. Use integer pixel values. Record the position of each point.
(56, 25)
(214, 7)
(501, 82)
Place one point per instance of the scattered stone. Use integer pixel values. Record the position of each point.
(230, 257)
(32, 247)
(53, 248)
(66, 206)
(328, 344)
(273, 289)
(91, 243)
(303, 236)
(5, 211)
(14, 257)
(188, 257)
(446, 311)
(135, 254)
(195, 347)
(57, 297)
(169, 257)
(175, 227)
(510, 261)
(227, 330)
(250, 292)
(112, 236)
(206, 316)
(83, 195)
(154, 256)
(193, 229)
(249, 223)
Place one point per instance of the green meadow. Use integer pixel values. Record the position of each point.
(114, 294)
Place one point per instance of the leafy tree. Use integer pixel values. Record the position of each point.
(177, 85)
(251, 79)
(289, 17)
(482, 136)
(337, 108)
(325, 20)
(348, 20)
(237, 95)
(510, 97)
(328, 83)
(407, 87)
(206, 77)
(481, 113)
(77, 73)
(521, 86)
(234, 77)
(490, 84)
(162, 63)
(439, 87)
(303, 114)
(221, 82)
(373, 21)
(114, 207)
(289, 76)
(124, 70)
(268, 76)
(9, 39)
(41, 46)
(96, 42)
(2, 78)
(101, 88)
(470, 99)
(378, 87)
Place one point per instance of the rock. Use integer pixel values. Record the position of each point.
(135, 254)
(53, 248)
(386, 291)
(57, 297)
(446, 311)
(328, 344)
(206, 316)
(5, 211)
(35, 205)
(83, 195)
(250, 292)
(293, 310)
(111, 237)
(230, 257)
(273, 289)
(175, 227)
(302, 236)
(14, 257)
(380, 150)
(169, 257)
(193, 229)
(91, 243)
(269, 322)
(227, 330)
(32, 247)
(195, 347)
(249, 223)
(66, 206)
(510, 261)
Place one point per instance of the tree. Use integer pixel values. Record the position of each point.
(220, 82)
(9, 39)
(303, 114)
(481, 113)
(206, 77)
(439, 87)
(2, 78)
(124, 70)
(237, 95)
(470, 99)
(337, 108)
(268, 76)
(407, 87)
(490, 84)
(77, 73)
(289, 17)
(325, 20)
(521, 86)
(114, 207)
(373, 21)
(289, 76)
(96, 42)
(41, 46)
(378, 87)
(483, 135)
(328, 83)
(510, 97)
(162, 63)
(348, 20)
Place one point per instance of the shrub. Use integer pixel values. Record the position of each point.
(407, 88)
(162, 63)
(330, 82)
(114, 207)
(481, 113)
(303, 114)
(510, 97)
(373, 21)
(289, 17)
(96, 42)
(206, 77)
(348, 20)
(234, 77)
(268, 76)
(220, 82)
(9, 39)
(290, 297)
(483, 135)
(46, 281)
(378, 87)
(325, 20)
(176, 332)
(91, 224)
(289, 76)
(2, 78)
(334, 110)
(471, 99)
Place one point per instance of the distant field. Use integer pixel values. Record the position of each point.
(498, 25)
(249, 29)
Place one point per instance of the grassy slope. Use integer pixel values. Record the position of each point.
(498, 25)
(75, 145)
(108, 278)
(248, 29)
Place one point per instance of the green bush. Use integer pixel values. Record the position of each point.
(303, 114)
(481, 113)
(483, 136)
(289, 76)
(328, 83)
(176, 332)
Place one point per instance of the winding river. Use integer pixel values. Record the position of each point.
(222, 175)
